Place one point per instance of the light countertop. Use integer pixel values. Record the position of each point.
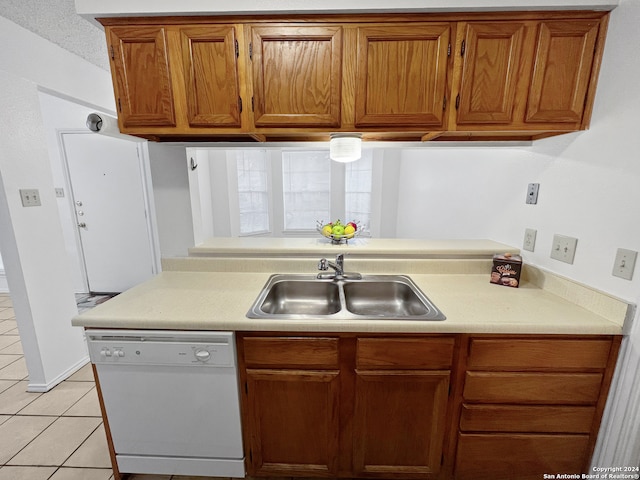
(215, 287)
(357, 247)
(220, 301)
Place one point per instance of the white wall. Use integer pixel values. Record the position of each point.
(31, 239)
(172, 199)
(32, 243)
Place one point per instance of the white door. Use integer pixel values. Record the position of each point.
(110, 205)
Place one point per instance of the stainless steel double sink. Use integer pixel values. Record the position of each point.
(382, 297)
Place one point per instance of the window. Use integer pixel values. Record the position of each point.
(358, 182)
(286, 192)
(253, 191)
(306, 189)
(317, 189)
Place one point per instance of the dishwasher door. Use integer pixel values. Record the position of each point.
(172, 403)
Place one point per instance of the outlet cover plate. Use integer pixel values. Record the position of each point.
(30, 197)
(564, 248)
(532, 193)
(624, 263)
(529, 242)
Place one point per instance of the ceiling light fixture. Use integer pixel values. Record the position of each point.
(345, 147)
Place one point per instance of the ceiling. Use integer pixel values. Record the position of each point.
(58, 22)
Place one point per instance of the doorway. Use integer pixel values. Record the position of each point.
(111, 208)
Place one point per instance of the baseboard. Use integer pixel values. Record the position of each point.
(45, 387)
(4, 286)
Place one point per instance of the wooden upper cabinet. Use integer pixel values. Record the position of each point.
(492, 57)
(401, 74)
(141, 76)
(209, 56)
(499, 75)
(297, 73)
(562, 71)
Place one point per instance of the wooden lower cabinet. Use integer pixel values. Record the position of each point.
(445, 407)
(515, 456)
(531, 405)
(345, 406)
(294, 414)
(399, 422)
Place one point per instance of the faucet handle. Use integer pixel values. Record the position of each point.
(323, 264)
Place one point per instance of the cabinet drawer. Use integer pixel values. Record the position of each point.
(522, 457)
(524, 354)
(519, 418)
(405, 353)
(551, 388)
(267, 352)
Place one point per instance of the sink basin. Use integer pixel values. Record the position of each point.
(302, 298)
(383, 297)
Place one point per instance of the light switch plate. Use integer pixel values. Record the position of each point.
(30, 197)
(624, 263)
(532, 193)
(60, 192)
(529, 242)
(564, 248)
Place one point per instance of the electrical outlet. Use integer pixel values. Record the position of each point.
(624, 263)
(30, 197)
(529, 239)
(532, 193)
(564, 248)
(59, 192)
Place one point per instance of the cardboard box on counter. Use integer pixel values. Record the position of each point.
(506, 270)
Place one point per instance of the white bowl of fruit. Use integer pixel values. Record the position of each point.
(339, 232)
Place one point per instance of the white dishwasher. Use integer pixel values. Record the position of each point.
(171, 400)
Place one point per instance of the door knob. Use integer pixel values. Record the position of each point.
(82, 225)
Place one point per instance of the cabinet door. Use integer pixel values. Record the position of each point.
(399, 422)
(492, 55)
(402, 73)
(562, 70)
(296, 75)
(293, 420)
(141, 76)
(211, 76)
(519, 457)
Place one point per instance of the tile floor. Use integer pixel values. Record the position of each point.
(57, 435)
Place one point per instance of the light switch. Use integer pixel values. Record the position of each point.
(564, 248)
(624, 263)
(30, 197)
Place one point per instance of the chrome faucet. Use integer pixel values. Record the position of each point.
(338, 266)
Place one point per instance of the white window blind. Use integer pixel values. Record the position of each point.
(306, 189)
(358, 183)
(253, 191)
